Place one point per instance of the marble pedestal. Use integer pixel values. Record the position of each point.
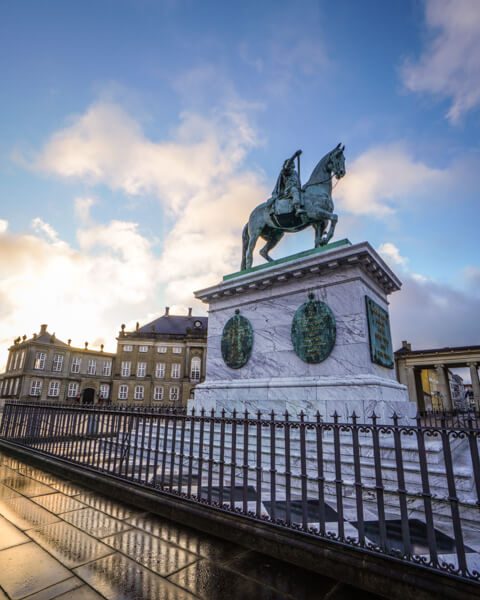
(275, 378)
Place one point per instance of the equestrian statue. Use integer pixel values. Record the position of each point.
(292, 207)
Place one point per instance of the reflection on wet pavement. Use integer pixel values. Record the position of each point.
(60, 540)
(95, 522)
(58, 503)
(68, 544)
(119, 578)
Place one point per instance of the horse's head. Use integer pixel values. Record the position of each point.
(336, 161)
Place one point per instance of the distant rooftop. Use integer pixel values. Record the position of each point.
(169, 324)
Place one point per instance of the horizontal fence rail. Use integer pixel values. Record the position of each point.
(411, 492)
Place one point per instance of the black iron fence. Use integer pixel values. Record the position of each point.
(409, 492)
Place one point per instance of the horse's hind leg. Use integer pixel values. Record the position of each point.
(252, 240)
(274, 236)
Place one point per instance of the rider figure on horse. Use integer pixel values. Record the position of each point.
(287, 187)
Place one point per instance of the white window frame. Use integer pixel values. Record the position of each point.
(15, 361)
(72, 389)
(141, 369)
(57, 364)
(195, 368)
(160, 368)
(76, 364)
(92, 366)
(22, 360)
(107, 367)
(139, 392)
(161, 349)
(10, 387)
(40, 358)
(54, 388)
(35, 387)
(174, 393)
(177, 350)
(105, 390)
(17, 383)
(158, 393)
(126, 368)
(123, 392)
(175, 370)
(127, 348)
(143, 348)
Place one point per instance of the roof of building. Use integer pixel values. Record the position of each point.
(175, 325)
(406, 350)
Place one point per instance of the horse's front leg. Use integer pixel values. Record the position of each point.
(319, 229)
(331, 230)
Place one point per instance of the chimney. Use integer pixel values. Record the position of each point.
(406, 345)
(86, 345)
(69, 342)
(101, 347)
(123, 329)
(189, 312)
(137, 326)
(43, 329)
(167, 311)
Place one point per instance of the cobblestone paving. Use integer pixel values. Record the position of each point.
(60, 540)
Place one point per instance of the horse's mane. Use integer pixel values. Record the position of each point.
(319, 173)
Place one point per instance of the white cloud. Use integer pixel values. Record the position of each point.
(3, 226)
(392, 255)
(433, 315)
(450, 65)
(382, 179)
(197, 176)
(82, 294)
(82, 206)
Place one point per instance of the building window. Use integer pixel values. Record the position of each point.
(123, 392)
(17, 382)
(72, 389)
(126, 366)
(22, 360)
(127, 348)
(195, 369)
(105, 390)
(162, 349)
(107, 367)
(36, 387)
(10, 387)
(92, 366)
(15, 361)
(143, 348)
(139, 392)
(40, 361)
(1, 387)
(175, 371)
(141, 369)
(160, 370)
(58, 362)
(158, 393)
(177, 349)
(76, 362)
(54, 389)
(174, 394)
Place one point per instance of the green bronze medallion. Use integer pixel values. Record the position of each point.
(237, 341)
(313, 331)
(379, 333)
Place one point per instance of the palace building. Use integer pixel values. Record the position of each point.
(159, 363)
(45, 368)
(162, 361)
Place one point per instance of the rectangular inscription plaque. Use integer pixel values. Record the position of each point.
(379, 334)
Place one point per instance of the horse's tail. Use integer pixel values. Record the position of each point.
(245, 240)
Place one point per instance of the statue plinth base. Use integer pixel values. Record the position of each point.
(341, 275)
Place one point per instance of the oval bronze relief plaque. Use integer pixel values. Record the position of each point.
(313, 331)
(237, 341)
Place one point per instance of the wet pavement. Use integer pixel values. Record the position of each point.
(60, 540)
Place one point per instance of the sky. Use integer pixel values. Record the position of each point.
(138, 135)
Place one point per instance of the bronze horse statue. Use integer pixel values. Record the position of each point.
(271, 219)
